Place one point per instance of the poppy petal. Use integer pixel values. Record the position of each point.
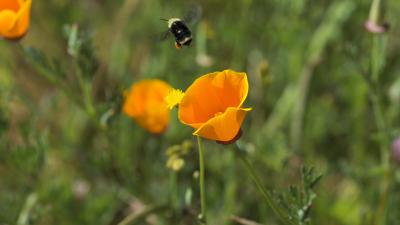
(14, 26)
(7, 21)
(9, 4)
(23, 19)
(212, 94)
(145, 104)
(223, 127)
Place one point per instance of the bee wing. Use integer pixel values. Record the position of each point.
(163, 36)
(193, 13)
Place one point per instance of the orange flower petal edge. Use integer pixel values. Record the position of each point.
(14, 18)
(144, 102)
(237, 137)
(224, 127)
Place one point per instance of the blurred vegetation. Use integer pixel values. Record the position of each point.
(325, 92)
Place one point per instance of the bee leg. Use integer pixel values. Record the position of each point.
(177, 45)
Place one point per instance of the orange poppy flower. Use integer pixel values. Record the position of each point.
(14, 18)
(213, 105)
(144, 102)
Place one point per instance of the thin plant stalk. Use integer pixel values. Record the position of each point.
(377, 63)
(374, 12)
(86, 92)
(381, 124)
(202, 216)
(266, 195)
(173, 196)
(31, 200)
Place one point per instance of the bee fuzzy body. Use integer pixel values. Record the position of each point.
(181, 32)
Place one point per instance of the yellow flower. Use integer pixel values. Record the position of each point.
(144, 102)
(212, 105)
(176, 154)
(174, 98)
(14, 18)
(175, 163)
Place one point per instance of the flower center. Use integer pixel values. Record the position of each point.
(174, 98)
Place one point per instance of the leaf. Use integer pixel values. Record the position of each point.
(51, 67)
(80, 47)
(297, 200)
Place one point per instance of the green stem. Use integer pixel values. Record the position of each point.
(382, 129)
(383, 135)
(173, 195)
(300, 107)
(380, 121)
(202, 216)
(377, 64)
(86, 92)
(374, 12)
(23, 218)
(266, 195)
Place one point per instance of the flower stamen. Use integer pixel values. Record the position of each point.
(174, 98)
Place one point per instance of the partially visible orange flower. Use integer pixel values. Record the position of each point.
(14, 18)
(144, 102)
(213, 105)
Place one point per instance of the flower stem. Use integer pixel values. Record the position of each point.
(374, 12)
(377, 58)
(377, 65)
(173, 195)
(266, 195)
(31, 200)
(202, 215)
(86, 92)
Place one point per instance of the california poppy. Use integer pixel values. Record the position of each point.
(213, 105)
(14, 18)
(144, 102)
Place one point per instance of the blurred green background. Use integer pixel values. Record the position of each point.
(324, 92)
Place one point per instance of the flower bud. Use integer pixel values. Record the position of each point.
(396, 150)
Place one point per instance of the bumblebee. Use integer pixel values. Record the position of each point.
(181, 32)
(179, 28)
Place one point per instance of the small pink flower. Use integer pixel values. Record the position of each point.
(375, 28)
(396, 150)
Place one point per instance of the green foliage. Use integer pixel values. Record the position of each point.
(80, 46)
(329, 29)
(324, 92)
(299, 200)
(50, 67)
